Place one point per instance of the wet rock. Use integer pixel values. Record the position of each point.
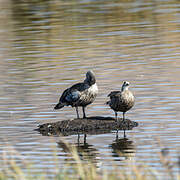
(90, 125)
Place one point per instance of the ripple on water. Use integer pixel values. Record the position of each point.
(44, 52)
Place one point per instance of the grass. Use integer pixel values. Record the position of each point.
(83, 171)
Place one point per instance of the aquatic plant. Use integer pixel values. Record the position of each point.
(88, 170)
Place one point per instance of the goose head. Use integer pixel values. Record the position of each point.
(90, 78)
(125, 86)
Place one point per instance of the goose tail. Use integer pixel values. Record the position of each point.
(108, 102)
(59, 106)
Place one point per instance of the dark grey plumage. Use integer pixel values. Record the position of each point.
(121, 100)
(80, 94)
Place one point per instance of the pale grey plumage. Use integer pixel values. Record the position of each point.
(121, 100)
(80, 94)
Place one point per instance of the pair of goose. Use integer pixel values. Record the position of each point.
(83, 94)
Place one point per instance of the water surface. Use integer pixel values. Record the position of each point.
(47, 46)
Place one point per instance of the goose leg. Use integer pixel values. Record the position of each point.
(123, 116)
(85, 138)
(124, 133)
(78, 139)
(116, 116)
(77, 112)
(117, 135)
(84, 114)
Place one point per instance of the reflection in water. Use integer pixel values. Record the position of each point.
(124, 133)
(122, 147)
(85, 151)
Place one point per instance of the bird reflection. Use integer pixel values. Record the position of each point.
(122, 147)
(84, 150)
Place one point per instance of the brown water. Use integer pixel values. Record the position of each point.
(47, 46)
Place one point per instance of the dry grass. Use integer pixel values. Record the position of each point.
(83, 171)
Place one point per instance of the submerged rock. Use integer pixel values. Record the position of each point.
(90, 125)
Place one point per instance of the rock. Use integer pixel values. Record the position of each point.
(90, 125)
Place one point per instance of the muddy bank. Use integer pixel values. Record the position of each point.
(90, 125)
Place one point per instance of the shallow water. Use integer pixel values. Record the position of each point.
(47, 46)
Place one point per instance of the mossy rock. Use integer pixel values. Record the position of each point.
(90, 125)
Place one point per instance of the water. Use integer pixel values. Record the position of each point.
(47, 46)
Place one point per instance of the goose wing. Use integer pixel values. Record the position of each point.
(73, 93)
(114, 93)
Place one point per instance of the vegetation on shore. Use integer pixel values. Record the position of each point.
(10, 169)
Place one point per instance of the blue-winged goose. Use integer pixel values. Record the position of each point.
(80, 94)
(121, 100)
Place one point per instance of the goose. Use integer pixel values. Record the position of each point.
(121, 100)
(80, 94)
